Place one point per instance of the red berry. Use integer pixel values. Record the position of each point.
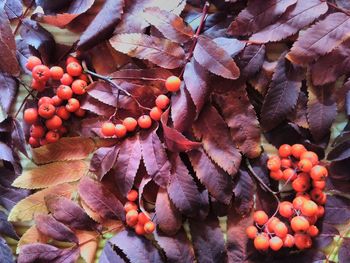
(130, 124)
(38, 85)
(311, 156)
(313, 231)
(144, 122)
(71, 59)
(162, 102)
(139, 229)
(172, 83)
(261, 242)
(56, 101)
(298, 150)
(289, 174)
(131, 217)
(251, 232)
(34, 142)
(317, 195)
(52, 136)
(274, 163)
(120, 130)
(156, 113)
(79, 86)
(37, 131)
(80, 112)
(319, 184)
(30, 115)
(276, 175)
(309, 208)
(143, 218)
(130, 206)
(66, 79)
(299, 223)
(286, 163)
(54, 123)
(41, 73)
(74, 69)
(149, 227)
(56, 72)
(286, 209)
(260, 217)
(318, 173)
(45, 100)
(46, 110)
(281, 229)
(84, 77)
(108, 129)
(64, 92)
(305, 165)
(276, 243)
(132, 195)
(271, 223)
(302, 241)
(63, 113)
(72, 105)
(288, 241)
(285, 150)
(33, 62)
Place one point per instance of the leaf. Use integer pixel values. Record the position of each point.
(320, 39)
(337, 210)
(159, 51)
(109, 255)
(6, 228)
(32, 235)
(218, 183)
(89, 245)
(103, 92)
(294, 19)
(34, 204)
(211, 129)
(17, 135)
(214, 58)
(344, 254)
(6, 153)
(169, 24)
(9, 196)
(97, 107)
(154, 157)
(8, 89)
(68, 212)
(13, 8)
(100, 199)
(240, 117)
(255, 16)
(49, 226)
(251, 59)
(103, 160)
(196, 78)
(208, 240)
(136, 248)
(282, 95)
(168, 218)
(103, 24)
(327, 233)
(5, 252)
(321, 110)
(51, 174)
(66, 149)
(127, 164)
(340, 152)
(244, 193)
(177, 248)
(231, 45)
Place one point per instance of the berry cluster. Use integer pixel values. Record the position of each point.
(47, 118)
(140, 221)
(296, 222)
(129, 124)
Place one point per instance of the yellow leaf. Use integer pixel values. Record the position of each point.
(51, 174)
(88, 244)
(32, 235)
(34, 204)
(67, 148)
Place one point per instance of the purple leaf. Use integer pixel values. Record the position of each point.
(344, 251)
(8, 91)
(103, 160)
(7, 155)
(327, 233)
(244, 192)
(13, 8)
(38, 252)
(251, 60)
(208, 240)
(231, 45)
(340, 152)
(100, 199)
(6, 228)
(10, 196)
(49, 226)
(103, 92)
(69, 255)
(5, 252)
(109, 255)
(337, 210)
(17, 135)
(91, 104)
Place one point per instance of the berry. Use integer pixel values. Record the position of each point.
(38, 85)
(305, 165)
(79, 86)
(37, 131)
(311, 156)
(56, 72)
(276, 175)
(162, 102)
(131, 217)
(301, 184)
(261, 242)
(317, 195)
(149, 227)
(309, 208)
(289, 174)
(46, 110)
(313, 231)
(43, 141)
(285, 150)
(71, 59)
(286, 163)
(30, 115)
(52, 136)
(298, 150)
(156, 113)
(132, 195)
(34, 142)
(63, 113)
(319, 184)
(74, 69)
(66, 79)
(298, 202)
(84, 77)
(281, 229)
(130, 206)
(54, 123)
(41, 73)
(72, 105)
(120, 130)
(108, 129)
(318, 173)
(130, 124)
(272, 223)
(302, 241)
(276, 243)
(299, 223)
(251, 232)
(33, 62)
(80, 112)
(312, 219)
(172, 83)
(45, 100)
(144, 121)
(320, 211)
(274, 163)
(286, 209)
(143, 218)
(64, 92)
(139, 229)
(260, 217)
(288, 241)
(56, 101)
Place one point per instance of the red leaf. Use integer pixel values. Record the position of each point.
(214, 58)
(244, 192)
(103, 160)
(95, 106)
(103, 92)
(9, 89)
(216, 139)
(256, 16)
(100, 199)
(49, 226)
(320, 39)
(168, 218)
(251, 59)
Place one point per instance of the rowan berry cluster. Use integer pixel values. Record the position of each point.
(129, 124)
(294, 222)
(47, 118)
(140, 221)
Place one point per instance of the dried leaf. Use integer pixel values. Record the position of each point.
(103, 160)
(8, 89)
(211, 129)
(344, 254)
(89, 248)
(51, 174)
(214, 58)
(159, 51)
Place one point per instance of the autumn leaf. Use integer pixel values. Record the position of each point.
(244, 190)
(103, 160)
(251, 59)
(31, 235)
(159, 51)
(5, 251)
(89, 248)
(103, 92)
(9, 89)
(344, 255)
(108, 255)
(337, 210)
(6, 228)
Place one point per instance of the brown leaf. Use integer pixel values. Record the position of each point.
(294, 19)
(161, 52)
(211, 129)
(89, 246)
(320, 39)
(214, 58)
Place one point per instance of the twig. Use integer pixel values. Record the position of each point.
(22, 104)
(139, 78)
(20, 17)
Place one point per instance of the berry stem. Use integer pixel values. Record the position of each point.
(139, 78)
(97, 236)
(20, 17)
(22, 104)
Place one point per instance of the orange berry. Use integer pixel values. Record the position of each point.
(281, 229)
(285, 150)
(289, 174)
(318, 173)
(317, 195)
(32, 62)
(156, 113)
(299, 223)
(261, 242)
(143, 218)
(130, 124)
(56, 72)
(72, 105)
(74, 69)
(30, 115)
(54, 123)
(286, 163)
(271, 223)
(79, 86)
(312, 219)
(303, 194)
(132, 195)
(300, 184)
(108, 129)
(45, 100)
(131, 217)
(305, 165)
(71, 59)
(288, 241)
(46, 110)
(38, 85)
(52, 136)
(251, 232)
(276, 243)
(80, 112)
(139, 229)
(149, 227)
(320, 211)
(311, 156)
(144, 121)
(64, 92)
(309, 208)
(319, 184)
(63, 113)
(66, 79)
(276, 175)
(56, 101)
(286, 209)
(41, 73)
(274, 163)
(130, 206)
(37, 131)
(298, 202)
(302, 241)
(120, 130)
(172, 83)
(260, 217)
(298, 150)
(162, 102)
(313, 231)
(34, 142)
(84, 77)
